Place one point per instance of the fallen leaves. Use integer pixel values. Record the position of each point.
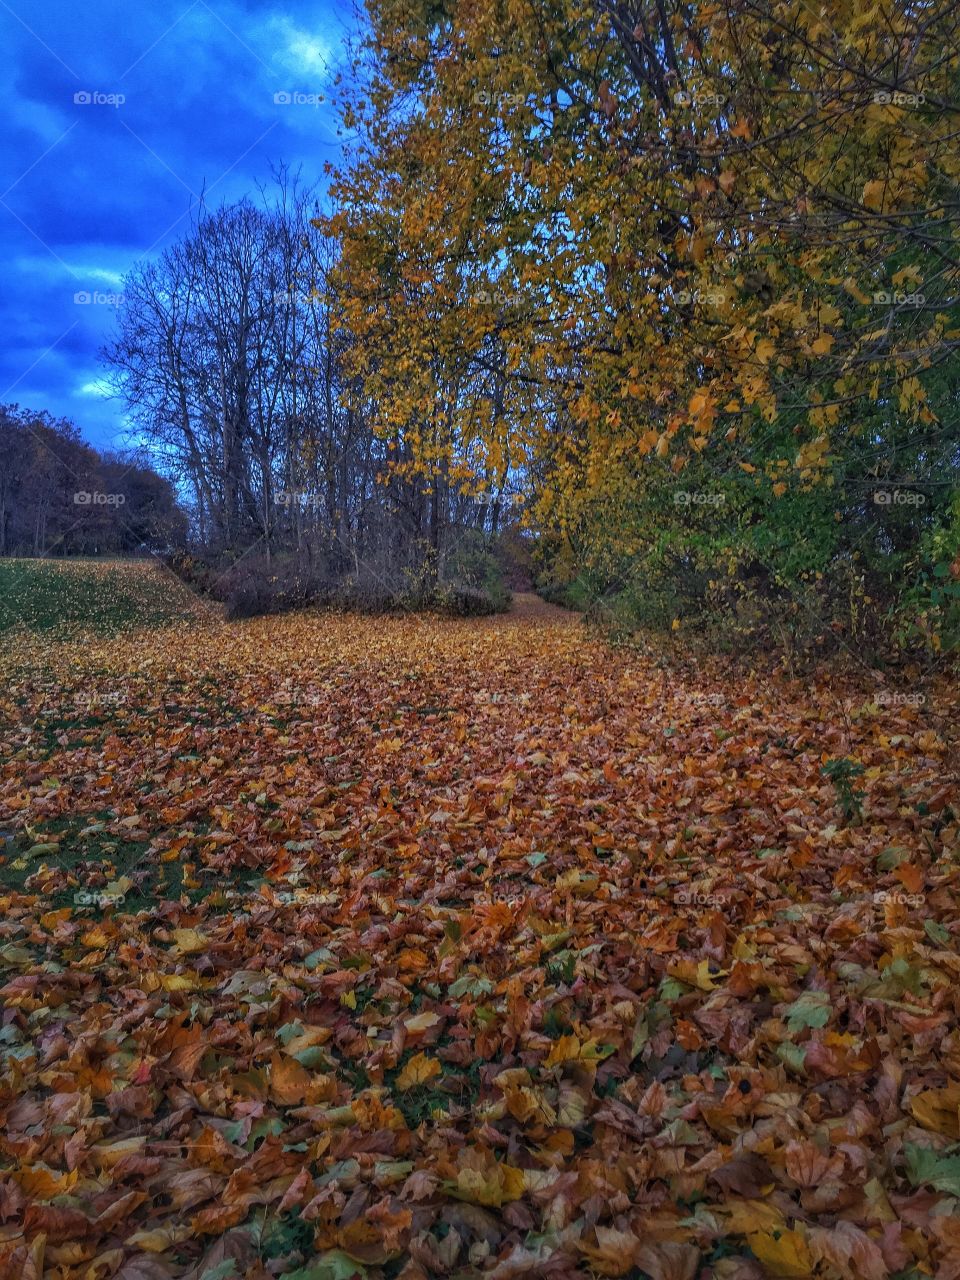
(641, 1003)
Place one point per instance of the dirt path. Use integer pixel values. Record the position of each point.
(528, 606)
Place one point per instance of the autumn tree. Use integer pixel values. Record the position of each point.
(661, 251)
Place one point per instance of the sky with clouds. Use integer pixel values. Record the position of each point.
(117, 117)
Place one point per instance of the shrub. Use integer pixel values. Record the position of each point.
(463, 601)
(254, 585)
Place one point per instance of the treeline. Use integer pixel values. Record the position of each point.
(231, 363)
(60, 497)
(681, 291)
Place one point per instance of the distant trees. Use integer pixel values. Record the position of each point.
(59, 496)
(231, 359)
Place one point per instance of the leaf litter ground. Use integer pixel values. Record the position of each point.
(338, 946)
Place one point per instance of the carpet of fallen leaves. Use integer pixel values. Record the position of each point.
(338, 946)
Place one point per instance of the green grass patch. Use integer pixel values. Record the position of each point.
(105, 596)
(79, 858)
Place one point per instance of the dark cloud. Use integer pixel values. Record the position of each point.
(174, 101)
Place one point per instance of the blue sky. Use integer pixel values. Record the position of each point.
(118, 116)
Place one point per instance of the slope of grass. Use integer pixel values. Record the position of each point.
(104, 596)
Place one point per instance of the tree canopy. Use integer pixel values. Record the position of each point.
(693, 268)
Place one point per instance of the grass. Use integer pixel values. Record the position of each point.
(99, 857)
(61, 600)
(104, 596)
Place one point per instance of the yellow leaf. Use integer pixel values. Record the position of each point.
(160, 1239)
(938, 1110)
(573, 1105)
(289, 1081)
(484, 1180)
(96, 937)
(698, 248)
(190, 940)
(564, 1049)
(108, 1154)
(749, 1217)
(648, 440)
(179, 982)
(576, 881)
(614, 1253)
(412, 960)
(418, 1070)
(422, 1022)
(694, 975)
(41, 1183)
(572, 1049)
(526, 1104)
(698, 403)
(911, 273)
(851, 287)
(307, 1039)
(782, 1254)
(51, 919)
